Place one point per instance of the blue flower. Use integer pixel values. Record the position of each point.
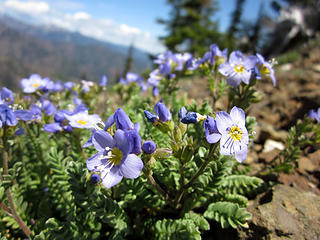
(182, 112)
(48, 108)
(234, 135)
(238, 69)
(162, 112)
(123, 122)
(103, 81)
(34, 83)
(68, 85)
(52, 127)
(6, 96)
(113, 159)
(121, 119)
(266, 68)
(312, 114)
(94, 178)
(7, 116)
(83, 120)
(211, 130)
(149, 147)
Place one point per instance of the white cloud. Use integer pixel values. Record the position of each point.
(81, 16)
(31, 7)
(129, 30)
(83, 22)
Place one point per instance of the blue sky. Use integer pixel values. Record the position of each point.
(117, 21)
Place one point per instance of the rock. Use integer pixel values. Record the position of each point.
(284, 213)
(271, 145)
(269, 132)
(305, 164)
(267, 157)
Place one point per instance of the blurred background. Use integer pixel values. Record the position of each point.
(81, 39)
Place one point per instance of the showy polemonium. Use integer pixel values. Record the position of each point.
(83, 120)
(103, 81)
(7, 116)
(266, 68)
(189, 117)
(211, 130)
(114, 159)
(163, 113)
(34, 83)
(6, 96)
(312, 114)
(234, 135)
(123, 122)
(238, 69)
(149, 147)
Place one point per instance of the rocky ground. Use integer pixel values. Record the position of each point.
(291, 208)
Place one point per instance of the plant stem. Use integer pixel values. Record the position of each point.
(156, 185)
(13, 211)
(194, 178)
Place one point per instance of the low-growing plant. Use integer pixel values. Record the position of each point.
(154, 167)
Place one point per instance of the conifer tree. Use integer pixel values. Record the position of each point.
(190, 25)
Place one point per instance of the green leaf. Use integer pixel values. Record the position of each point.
(228, 214)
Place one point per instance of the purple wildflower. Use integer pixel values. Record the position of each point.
(312, 114)
(34, 83)
(238, 69)
(234, 135)
(266, 68)
(114, 160)
(211, 130)
(149, 147)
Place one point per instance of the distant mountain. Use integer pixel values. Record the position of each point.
(59, 54)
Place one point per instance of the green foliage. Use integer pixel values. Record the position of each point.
(190, 25)
(304, 133)
(228, 214)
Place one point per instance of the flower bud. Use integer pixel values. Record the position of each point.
(162, 111)
(149, 147)
(95, 178)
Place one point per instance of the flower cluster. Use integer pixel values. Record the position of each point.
(117, 155)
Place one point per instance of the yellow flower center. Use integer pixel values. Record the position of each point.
(82, 122)
(115, 156)
(264, 70)
(35, 85)
(239, 68)
(235, 133)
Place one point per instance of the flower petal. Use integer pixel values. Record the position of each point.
(131, 167)
(111, 178)
(224, 122)
(101, 140)
(94, 162)
(241, 152)
(213, 138)
(109, 122)
(122, 141)
(226, 145)
(238, 116)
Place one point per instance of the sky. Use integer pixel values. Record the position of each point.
(118, 21)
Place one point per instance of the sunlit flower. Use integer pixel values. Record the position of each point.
(312, 114)
(266, 68)
(34, 83)
(113, 159)
(7, 116)
(234, 135)
(6, 96)
(83, 120)
(211, 130)
(103, 81)
(238, 69)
